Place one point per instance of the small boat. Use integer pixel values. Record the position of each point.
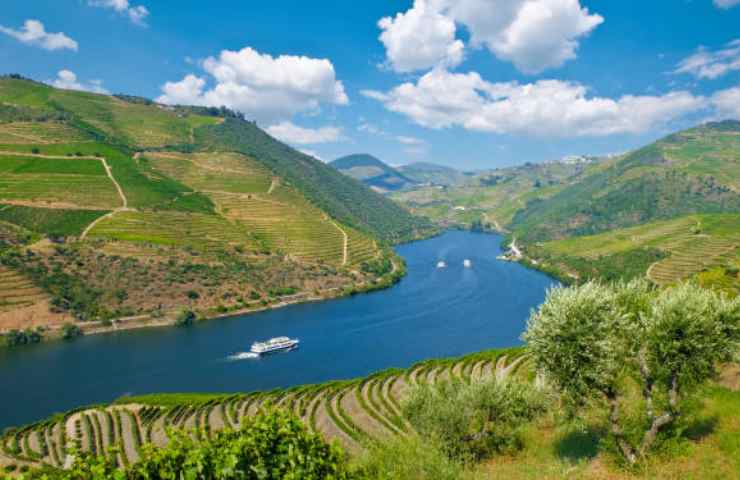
(441, 264)
(276, 344)
(467, 263)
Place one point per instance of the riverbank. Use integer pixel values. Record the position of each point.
(431, 313)
(170, 318)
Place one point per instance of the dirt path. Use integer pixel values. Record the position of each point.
(345, 249)
(108, 172)
(124, 200)
(273, 185)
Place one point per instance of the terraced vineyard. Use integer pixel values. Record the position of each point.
(199, 231)
(17, 291)
(218, 172)
(693, 243)
(28, 133)
(247, 194)
(70, 181)
(693, 256)
(350, 412)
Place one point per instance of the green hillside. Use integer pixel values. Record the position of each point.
(369, 416)
(695, 171)
(372, 172)
(491, 198)
(127, 186)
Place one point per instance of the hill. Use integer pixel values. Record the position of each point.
(197, 203)
(372, 172)
(667, 210)
(424, 172)
(491, 198)
(694, 171)
(369, 411)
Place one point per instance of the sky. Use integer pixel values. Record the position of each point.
(471, 84)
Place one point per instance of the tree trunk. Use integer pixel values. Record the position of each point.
(659, 422)
(627, 450)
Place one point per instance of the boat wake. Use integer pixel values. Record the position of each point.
(243, 356)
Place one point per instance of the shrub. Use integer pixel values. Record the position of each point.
(70, 331)
(589, 340)
(185, 318)
(473, 420)
(273, 445)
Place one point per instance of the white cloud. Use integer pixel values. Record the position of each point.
(711, 64)
(533, 34)
(725, 4)
(547, 108)
(372, 129)
(420, 38)
(727, 103)
(136, 13)
(409, 140)
(268, 89)
(67, 80)
(34, 33)
(290, 133)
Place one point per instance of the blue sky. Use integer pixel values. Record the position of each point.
(466, 83)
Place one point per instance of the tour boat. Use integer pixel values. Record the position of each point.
(467, 263)
(276, 344)
(441, 264)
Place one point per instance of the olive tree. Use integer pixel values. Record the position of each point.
(588, 339)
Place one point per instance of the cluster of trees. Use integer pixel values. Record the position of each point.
(16, 338)
(596, 342)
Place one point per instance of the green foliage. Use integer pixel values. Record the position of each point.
(273, 445)
(378, 266)
(344, 199)
(71, 331)
(185, 318)
(17, 338)
(473, 420)
(590, 340)
(682, 174)
(55, 222)
(410, 458)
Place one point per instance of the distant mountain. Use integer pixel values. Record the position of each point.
(424, 172)
(373, 172)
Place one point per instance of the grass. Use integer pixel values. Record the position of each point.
(81, 182)
(55, 221)
(144, 187)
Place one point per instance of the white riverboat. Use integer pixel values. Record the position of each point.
(441, 264)
(277, 344)
(467, 263)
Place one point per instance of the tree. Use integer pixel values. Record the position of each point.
(587, 340)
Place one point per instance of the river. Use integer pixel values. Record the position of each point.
(430, 313)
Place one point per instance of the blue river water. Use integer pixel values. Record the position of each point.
(430, 313)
